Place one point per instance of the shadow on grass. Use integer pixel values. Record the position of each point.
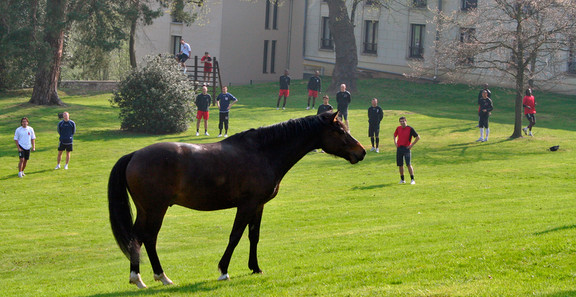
(562, 228)
(15, 175)
(370, 187)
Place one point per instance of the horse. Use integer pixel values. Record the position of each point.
(242, 171)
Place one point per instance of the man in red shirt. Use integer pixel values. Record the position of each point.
(529, 104)
(403, 141)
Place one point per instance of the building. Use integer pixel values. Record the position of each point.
(254, 41)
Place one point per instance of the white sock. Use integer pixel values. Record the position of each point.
(481, 132)
(487, 132)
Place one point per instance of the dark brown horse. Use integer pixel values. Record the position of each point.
(242, 171)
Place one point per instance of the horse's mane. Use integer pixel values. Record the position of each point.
(282, 132)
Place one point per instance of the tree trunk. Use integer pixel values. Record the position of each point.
(342, 29)
(46, 82)
(131, 47)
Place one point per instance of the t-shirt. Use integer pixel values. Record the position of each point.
(66, 129)
(203, 102)
(485, 104)
(207, 61)
(24, 137)
(375, 114)
(343, 99)
(315, 84)
(284, 82)
(225, 100)
(185, 49)
(324, 108)
(404, 135)
(529, 101)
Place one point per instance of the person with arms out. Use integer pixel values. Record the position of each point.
(325, 106)
(66, 129)
(284, 89)
(25, 140)
(403, 142)
(184, 54)
(203, 104)
(529, 103)
(343, 98)
(486, 107)
(314, 87)
(207, 61)
(225, 100)
(375, 115)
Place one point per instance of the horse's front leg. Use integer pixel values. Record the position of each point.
(243, 216)
(254, 236)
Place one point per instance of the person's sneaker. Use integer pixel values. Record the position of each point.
(402, 182)
(277, 108)
(372, 149)
(219, 135)
(206, 133)
(225, 135)
(197, 133)
(525, 129)
(57, 167)
(377, 150)
(485, 139)
(530, 134)
(480, 139)
(23, 174)
(413, 182)
(20, 174)
(283, 108)
(308, 108)
(66, 167)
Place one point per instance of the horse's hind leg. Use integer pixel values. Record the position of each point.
(135, 246)
(254, 236)
(147, 230)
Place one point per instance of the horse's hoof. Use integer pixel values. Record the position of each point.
(224, 277)
(257, 271)
(137, 280)
(163, 278)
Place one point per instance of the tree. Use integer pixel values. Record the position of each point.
(342, 28)
(522, 41)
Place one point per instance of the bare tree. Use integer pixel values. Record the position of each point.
(519, 41)
(342, 29)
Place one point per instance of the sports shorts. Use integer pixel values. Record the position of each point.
(202, 114)
(403, 153)
(66, 147)
(284, 93)
(312, 93)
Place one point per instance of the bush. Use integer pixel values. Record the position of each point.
(155, 99)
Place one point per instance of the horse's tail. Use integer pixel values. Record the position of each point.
(119, 205)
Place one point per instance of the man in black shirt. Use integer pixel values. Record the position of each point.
(203, 103)
(314, 87)
(284, 89)
(375, 115)
(343, 98)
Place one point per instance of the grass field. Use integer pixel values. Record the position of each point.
(484, 219)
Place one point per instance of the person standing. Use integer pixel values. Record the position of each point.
(529, 103)
(325, 106)
(343, 98)
(375, 115)
(66, 129)
(484, 88)
(25, 140)
(184, 54)
(207, 60)
(314, 87)
(284, 89)
(486, 107)
(225, 100)
(203, 104)
(403, 142)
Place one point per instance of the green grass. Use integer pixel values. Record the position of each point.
(485, 219)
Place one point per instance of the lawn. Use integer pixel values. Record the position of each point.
(484, 219)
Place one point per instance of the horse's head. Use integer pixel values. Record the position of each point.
(337, 141)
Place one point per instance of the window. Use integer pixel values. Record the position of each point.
(467, 37)
(469, 4)
(420, 3)
(370, 37)
(273, 57)
(271, 7)
(265, 58)
(176, 44)
(572, 57)
(416, 41)
(326, 41)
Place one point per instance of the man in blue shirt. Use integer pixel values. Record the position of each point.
(66, 129)
(184, 54)
(225, 100)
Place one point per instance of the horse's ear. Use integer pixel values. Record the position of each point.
(335, 116)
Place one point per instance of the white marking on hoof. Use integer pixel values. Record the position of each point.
(163, 278)
(224, 277)
(137, 280)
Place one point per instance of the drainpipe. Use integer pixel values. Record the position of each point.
(289, 34)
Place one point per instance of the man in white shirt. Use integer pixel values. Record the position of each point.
(184, 54)
(25, 141)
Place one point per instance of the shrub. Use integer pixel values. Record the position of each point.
(155, 99)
